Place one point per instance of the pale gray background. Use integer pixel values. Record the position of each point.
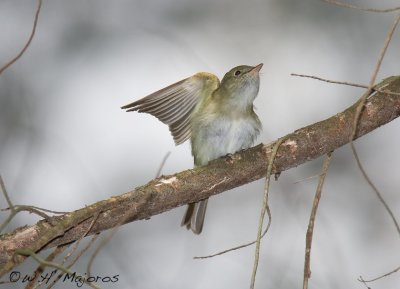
(64, 142)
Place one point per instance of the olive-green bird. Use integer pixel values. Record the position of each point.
(217, 117)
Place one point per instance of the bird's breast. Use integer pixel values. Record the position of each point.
(218, 136)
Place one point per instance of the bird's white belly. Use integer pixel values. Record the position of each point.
(219, 138)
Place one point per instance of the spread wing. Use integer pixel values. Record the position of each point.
(174, 104)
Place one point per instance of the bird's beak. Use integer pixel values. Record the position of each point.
(257, 68)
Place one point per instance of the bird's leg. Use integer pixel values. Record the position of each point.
(228, 158)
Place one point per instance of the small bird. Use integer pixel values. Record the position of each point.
(217, 117)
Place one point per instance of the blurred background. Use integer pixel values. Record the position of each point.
(65, 142)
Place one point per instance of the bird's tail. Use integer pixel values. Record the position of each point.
(194, 216)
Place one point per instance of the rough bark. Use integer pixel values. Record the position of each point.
(167, 192)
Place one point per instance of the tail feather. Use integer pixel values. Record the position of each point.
(194, 216)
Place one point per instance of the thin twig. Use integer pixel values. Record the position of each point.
(375, 88)
(162, 164)
(361, 279)
(27, 252)
(10, 205)
(93, 239)
(306, 179)
(24, 208)
(12, 61)
(99, 247)
(110, 236)
(363, 99)
(358, 115)
(91, 242)
(76, 245)
(370, 88)
(356, 119)
(96, 251)
(310, 230)
(377, 192)
(346, 5)
(5, 193)
(30, 208)
(264, 209)
(240, 246)
(15, 209)
(330, 81)
(40, 269)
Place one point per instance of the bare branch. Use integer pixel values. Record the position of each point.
(243, 245)
(264, 208)
(350, 6)
(12, 61)
(310, 230)
(379, 277)
(5, 193)
(94, 238)
(162, 164)
(29, 208)
(371, 84)
(163, 194)
(330, 81)
(40, 269)
(375, 88)
(359, 110)
(46, 263)
(377, 192)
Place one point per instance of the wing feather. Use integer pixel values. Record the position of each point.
(174, 104)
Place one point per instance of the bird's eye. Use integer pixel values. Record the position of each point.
(237, 72)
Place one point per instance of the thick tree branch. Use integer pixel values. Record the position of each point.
(167, 192)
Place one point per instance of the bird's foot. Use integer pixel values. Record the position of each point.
(229, 158)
